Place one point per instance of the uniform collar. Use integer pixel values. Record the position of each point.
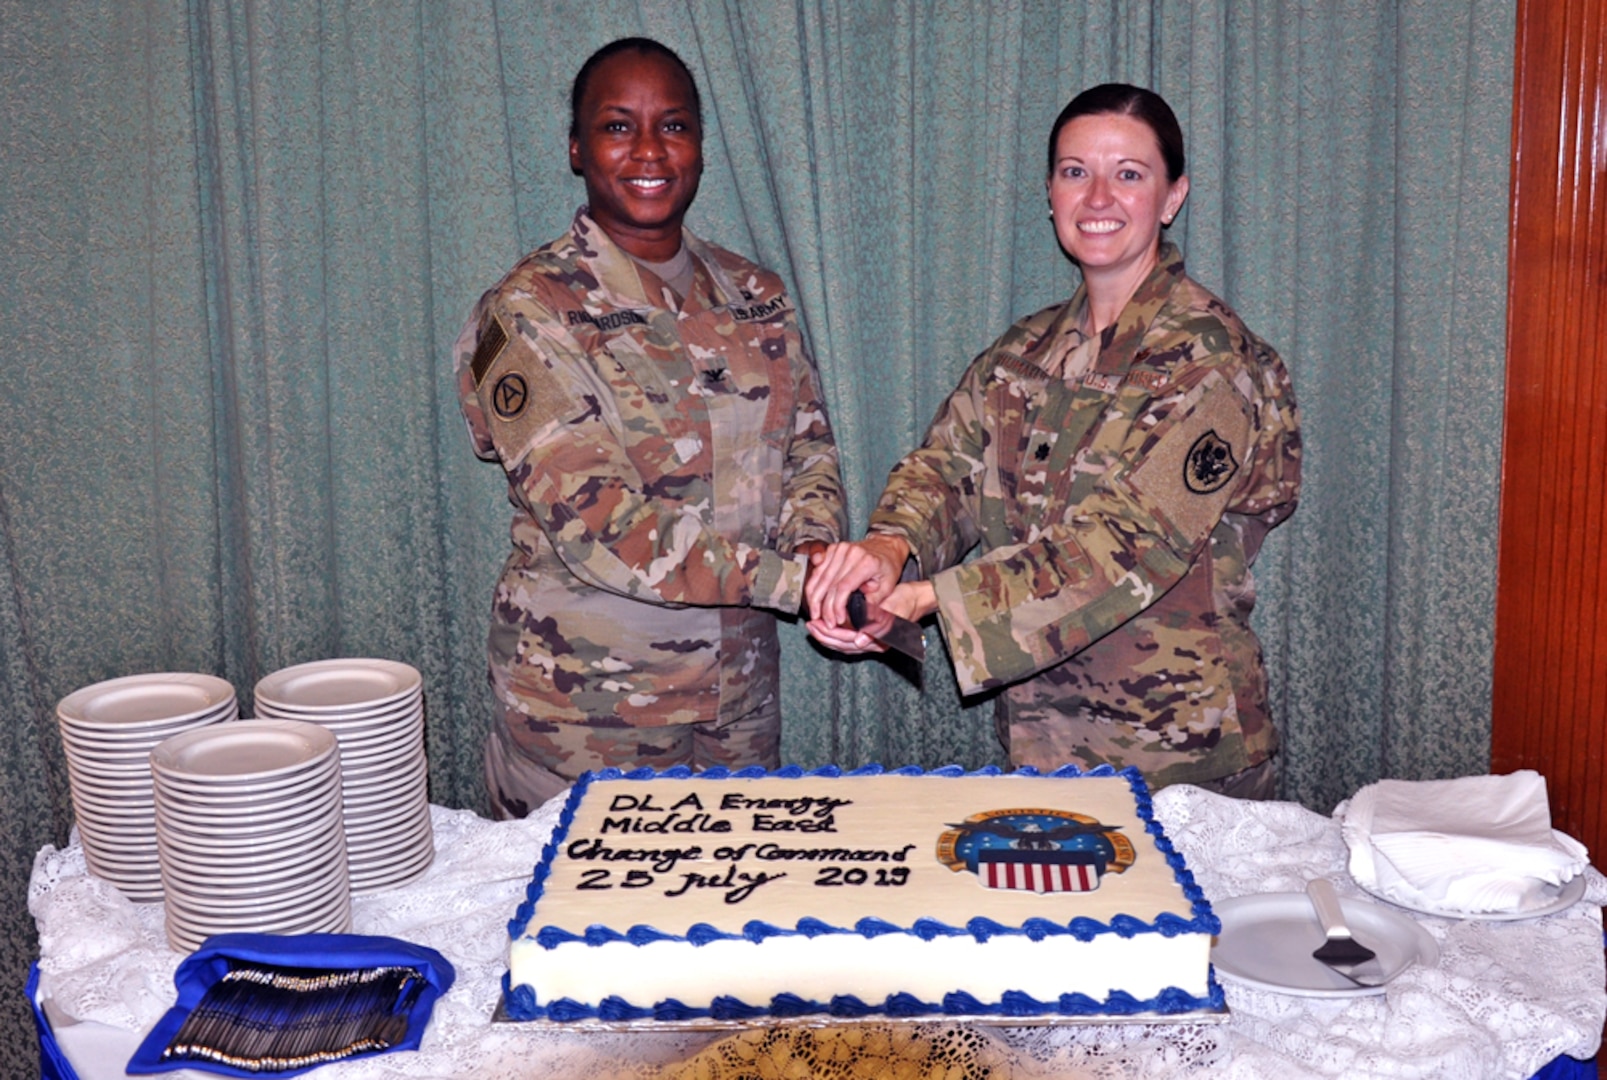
(619, 277)
(1119, 342)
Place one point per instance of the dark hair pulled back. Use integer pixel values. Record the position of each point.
(577, 93)
(1126, 100)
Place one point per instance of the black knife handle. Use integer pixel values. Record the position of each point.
(856, 610)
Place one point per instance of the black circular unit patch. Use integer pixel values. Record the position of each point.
(1210, 464)
(508, 397)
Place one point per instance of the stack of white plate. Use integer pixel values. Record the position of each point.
(248, 831)
(376, 709)
(107, 731)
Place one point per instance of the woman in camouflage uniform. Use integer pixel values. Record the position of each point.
(1118, 459)
(668, 456)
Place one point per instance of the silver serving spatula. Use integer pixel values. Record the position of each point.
(1341, 951)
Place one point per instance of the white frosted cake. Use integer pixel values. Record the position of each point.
(676, 896)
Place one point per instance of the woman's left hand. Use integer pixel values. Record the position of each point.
(909, 600)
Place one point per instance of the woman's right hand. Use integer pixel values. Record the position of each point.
(871, 566)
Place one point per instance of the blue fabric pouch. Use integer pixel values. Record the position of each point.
(313, 952)
(53, 1064)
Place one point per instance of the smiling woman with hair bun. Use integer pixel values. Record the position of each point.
(668, 455)
(1118, 459)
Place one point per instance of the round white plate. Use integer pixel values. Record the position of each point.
(320, 774)
(392, 775)
(116, 839)
(255, 880)
(114, 764)
(135, 775)
(125, 861)
(250, 819)
(332, 916)
(203, 891)
(200, 841)
(108, 796)
(408, 710)
(246, 750)
(134, 701)
(1563, 898)
(381, 756)
(92, 749)
(362, 821)
(281, 788)
(392, 874)
(116, 818)
(288, 882)
(338, 685)
(1267, 940)
(381, 845)
(198, 913)
(235, 846)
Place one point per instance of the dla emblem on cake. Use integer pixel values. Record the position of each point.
(1035, 850)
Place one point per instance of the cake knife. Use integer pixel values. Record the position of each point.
(905, 636)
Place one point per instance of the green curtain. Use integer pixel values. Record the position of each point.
(238, 236)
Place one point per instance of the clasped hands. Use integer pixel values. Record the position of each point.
(872, 566)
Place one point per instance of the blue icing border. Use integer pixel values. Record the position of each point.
(520, 1002)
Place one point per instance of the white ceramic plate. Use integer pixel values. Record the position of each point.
(392, 874)
(329, 918)
(396, 771)
(120, 753)
(263, 819)
(221, 920)
(282, 788)
(199, 845)
(338, 686)
(1267, 940)
(134, 701)
(244, 751)
(384, 753)
(381, 845)
(287, 788)
(1563, 898)
(409, 710)
(108, 795)
(125, 861)
(126, 850)
(362, 824)
(316, 881)
(396, 776)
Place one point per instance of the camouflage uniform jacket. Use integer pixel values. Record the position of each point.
(1118, 515)
(663, 461)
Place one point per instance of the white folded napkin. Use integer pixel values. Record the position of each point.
(1477, 844)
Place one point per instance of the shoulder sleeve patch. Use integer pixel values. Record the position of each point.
(525, 392)
(492, 340)
(1187, 476)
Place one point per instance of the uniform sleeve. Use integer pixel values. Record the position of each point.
(1143, 521)
(812, 506)
(931, 498)
(550, 418)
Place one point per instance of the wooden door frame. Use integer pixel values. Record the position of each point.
(1549, 698)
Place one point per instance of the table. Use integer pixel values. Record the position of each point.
(1506, 998)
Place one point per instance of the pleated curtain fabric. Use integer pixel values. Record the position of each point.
(237, 238)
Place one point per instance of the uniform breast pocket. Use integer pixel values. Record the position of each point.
(661, 411)
(755, 416)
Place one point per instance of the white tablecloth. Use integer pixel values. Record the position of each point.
(1506, 997)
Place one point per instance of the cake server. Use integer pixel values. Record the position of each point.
(1341, 951)
(903, 635)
